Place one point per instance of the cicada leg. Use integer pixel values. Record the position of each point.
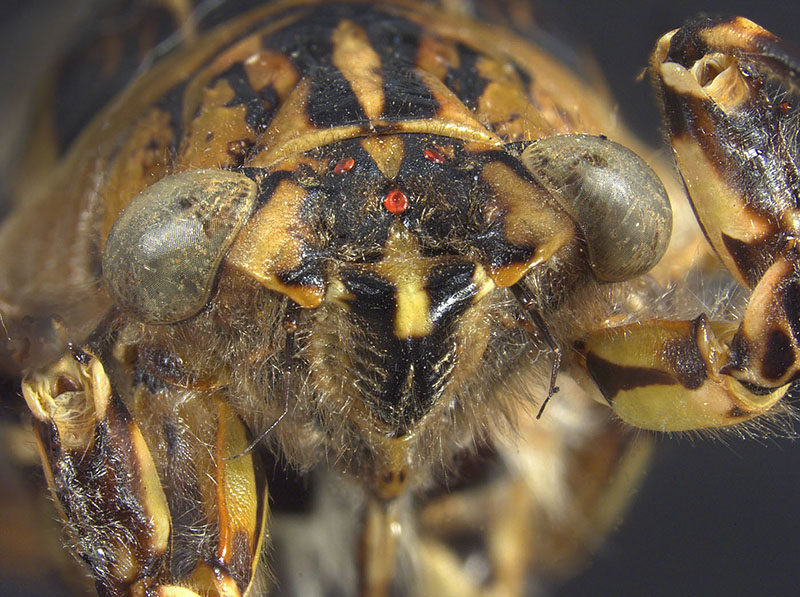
(155, 491)
(530, 507)
(729, 92)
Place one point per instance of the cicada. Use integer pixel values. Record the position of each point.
(370, 298)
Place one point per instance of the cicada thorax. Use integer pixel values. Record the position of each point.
(252, 95)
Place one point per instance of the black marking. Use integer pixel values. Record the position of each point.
(612, 379)
(759, 53)
(686, 360)
(494, 249)
(755, 388)
(406, 96)
(737, 413)
(79, 354)
(310, 274)
(445, 213)
(171, 102)
(465, 81)
(267, 186)
(152, 384)
(738, 354)
(681, 112)
(496, 253)
(349, 206)
(778, 355)
(524, 76)
(407, 375)
(396, 40)
(751, 259)
(331, 101)
(374, 297)
(507, 159)
(260, 105)
(239, 151)
(345, 222)
(308, 44)
(450, 289)
(306, 177)
(241, 561)
(687, 46)
(158, 367)
(752, 147)
(99, 483)
(183, 494)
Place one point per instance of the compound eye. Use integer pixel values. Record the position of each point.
(616, 199)
(164, 250)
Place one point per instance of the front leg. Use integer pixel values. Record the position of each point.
(729, 92)
(155, 491)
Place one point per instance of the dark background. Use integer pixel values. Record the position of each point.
(711, 518)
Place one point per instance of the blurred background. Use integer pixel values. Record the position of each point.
(712, 517)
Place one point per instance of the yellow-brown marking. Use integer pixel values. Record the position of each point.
(482, 282)
(736, 34)
(194, 94)
(406, 269)
(72, 396)
(291, 132)
(174, 591)
(715, 77)
(265, 68)
(151, 493)
(658, 383)
(723, 210)
(387, 152)
(377, 549)
(392, 467)
(767, 315)
(505, 106)
(451, 109)
(360, 64)
(436, 56)
(214, 581)
(272, 242)
(75, 398)
(236, 489)
(143, 160)
(539, 224)
(207, 141)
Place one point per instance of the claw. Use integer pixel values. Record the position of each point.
(139, 512)
(87, 439)
(730, 96)
(729, 91)
(668, 375)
